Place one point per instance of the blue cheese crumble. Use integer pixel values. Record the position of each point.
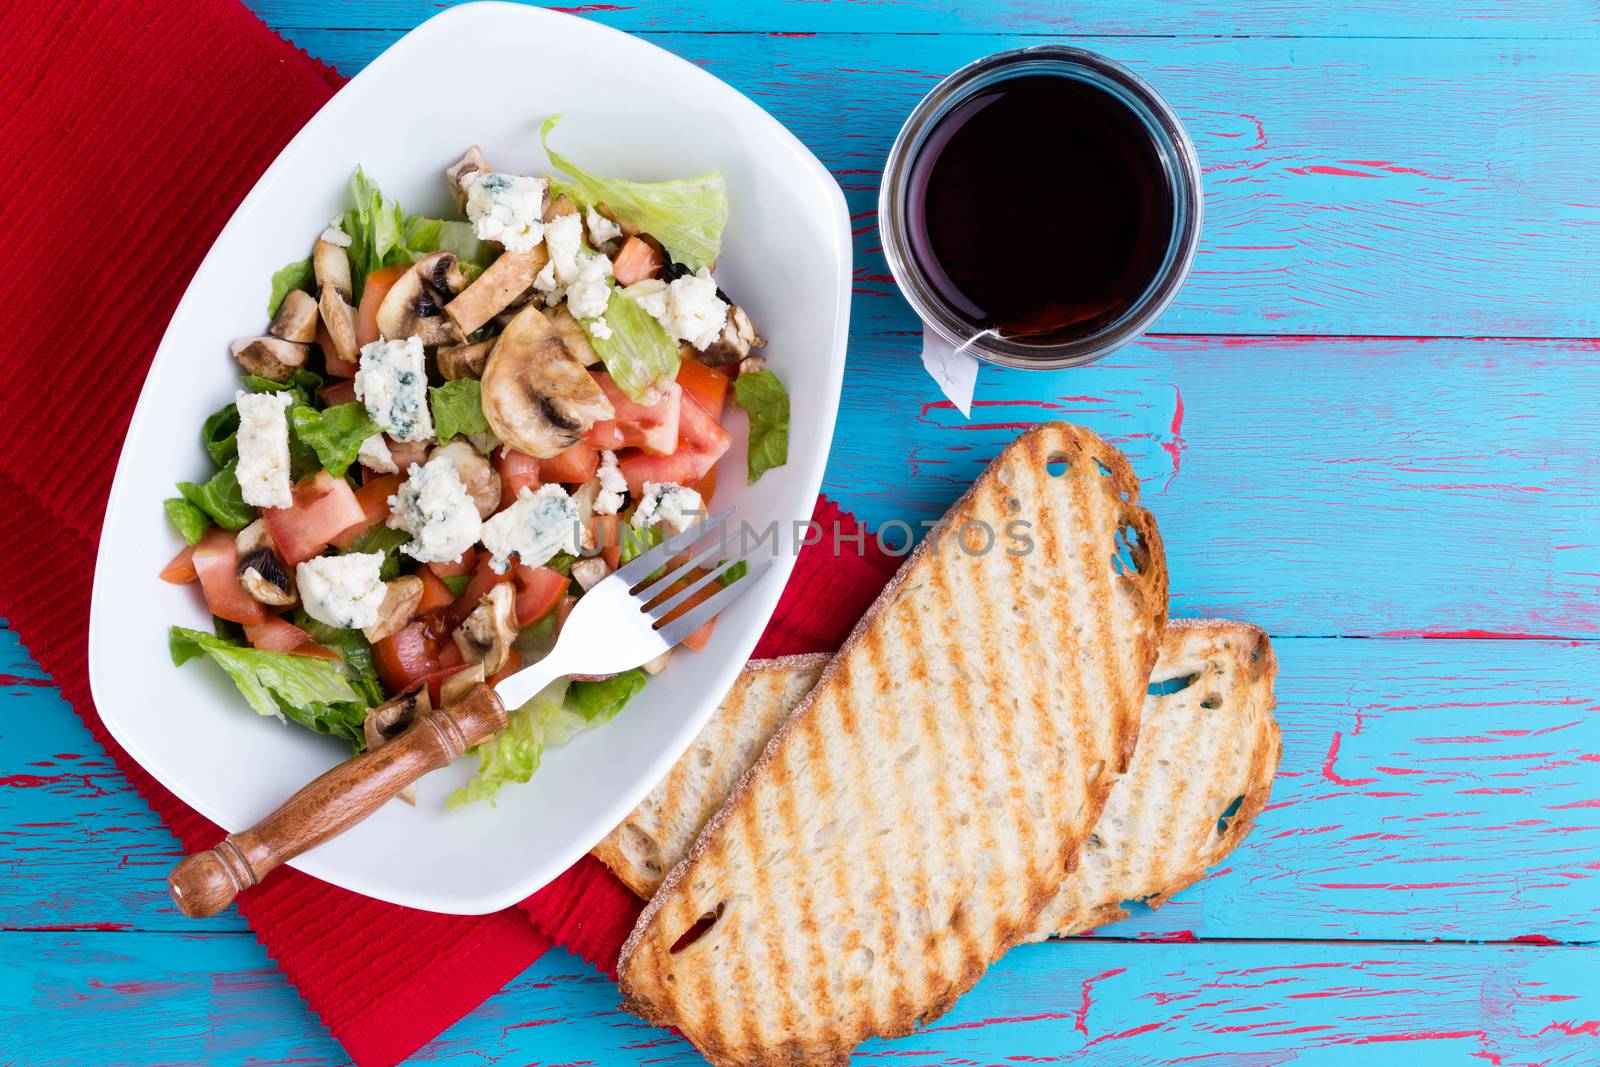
(263, 469)
(434, 507)
(507, 208)
(541, 523)
(393, 383)
(668, 502)
(580, 277)
(344, 591)
(376, 457)
(608, 500)
(689, 309)
(602, 231)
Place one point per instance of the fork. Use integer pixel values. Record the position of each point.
(619, 624)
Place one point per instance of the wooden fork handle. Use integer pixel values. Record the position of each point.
(206, 882)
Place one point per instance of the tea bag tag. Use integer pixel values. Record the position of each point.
(952, 367)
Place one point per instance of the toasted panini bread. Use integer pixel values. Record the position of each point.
(910, 821)
(1208, 749)
(1200, 775)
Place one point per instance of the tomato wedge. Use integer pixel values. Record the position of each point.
(708, 385)
(605, 531)
(452, 568)
(707, 486)
(636, 261)
(406, 657)
(701, 442)
(373, 290)
(702, 634)
(652, 427)
(323, 508)
(435, 594)
(574, 466)
(483, 580)
(275, 635)
(216, 560)
(373, 496)
(340, 392)
(336, 367)
(181, 570)
(538, 590)
(517, 469)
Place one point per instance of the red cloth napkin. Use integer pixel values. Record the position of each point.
(132, 132)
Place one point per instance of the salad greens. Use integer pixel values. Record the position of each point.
(286, 279)
(312, 692)
(189, 520)
(221, 498)
(686, 216)
(220, 434)
(335, 434)
(599, 701)
(638, 354)
(355, 654)
(764, 400)
(303, 387)
(457, 408)
(382, 538)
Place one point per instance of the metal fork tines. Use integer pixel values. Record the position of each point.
(640, 570)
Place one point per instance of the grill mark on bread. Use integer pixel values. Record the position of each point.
(873, 651)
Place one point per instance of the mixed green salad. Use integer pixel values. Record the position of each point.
(450, 430)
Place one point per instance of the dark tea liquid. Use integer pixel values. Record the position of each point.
(1040, 207)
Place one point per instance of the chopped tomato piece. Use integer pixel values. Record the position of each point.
(483, 580)
(315, 651)
(701, 442)
(698, 640)
(404, 658)
(449, 653)
(574, 466)
(373, 497)
(435, 594)
(512, 665)
(538, 590)
(652, 427)
(605, 531)
(336, 367)
(181, 570)
(706, 384)
(340, 392)
(216, 561)
(450, 569)
(706, 486)
(517, 469)
(376, 287)
(564, 609)
(636, 261)
(323, 508)
(702, 634)
(275, 635)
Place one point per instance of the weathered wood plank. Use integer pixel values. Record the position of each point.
(1429, 789)
(1365, 18)
(149, 998)
(1352, 187)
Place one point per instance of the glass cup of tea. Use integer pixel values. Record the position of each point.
(1041, 207)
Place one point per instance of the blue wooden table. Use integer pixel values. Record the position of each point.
(1369, 424)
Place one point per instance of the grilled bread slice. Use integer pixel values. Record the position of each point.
(910, 821)
(658, 833)
(1208, 748)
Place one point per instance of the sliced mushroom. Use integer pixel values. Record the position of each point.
(476, 473)
(262, 572)
(414, 305)
(464, 361)
(657, 665)
(537, 396)
(590, 572)
(296, 319)
(750, 365)
(331, 264)
(453, 688)
(572, 334)
(738, 337)
(389, 720)
(501, 283)
(460, 175)
(561, 205)
(400, 600)
(485, 636)
(270, 357)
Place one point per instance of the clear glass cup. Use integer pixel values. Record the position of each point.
(1178, 160)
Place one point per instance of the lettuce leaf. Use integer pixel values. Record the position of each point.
(189, 520)
(638, 355)
(686, 216)
(290, 276)
(220, 434)
(303, 386)
(312, 692)
(221, 498)
(764, 400)
(457, 408)
(383, 235)
(335, 433)
(382, 538)
(424, 235)
(355, 654)
(599, 702)
(513, 754)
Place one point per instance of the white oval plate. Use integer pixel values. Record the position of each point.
(483, 73)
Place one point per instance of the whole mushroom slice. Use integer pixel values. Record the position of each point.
(261, 570)
(414, 305)
(482, 481)
(497, 288)
(536, 394)
(270, 357)
(400, 600)
(738, 337)
(486, 635)
(331, 265)
(390, 719)
(464, 361)
(296, 319)
(462, 173)
(572, 334)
